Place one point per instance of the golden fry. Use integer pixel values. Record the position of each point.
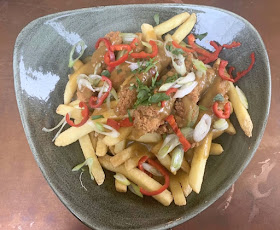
(140, 178)
(120, 146)
(230, 130)
(216, 149)
(74, 113)
(148, 32)
(124, 132)
(147, 138)
(241, 112)
(77, 65)
(88, 152)
(184, 181)
(127, 153)
(171, 23)
(184, 29)
(101, 148)
(133, 161)
(177, 192)
(93, 139)
(120, 187)
(200, 157)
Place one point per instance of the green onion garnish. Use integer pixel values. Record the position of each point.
(82, 45)
(96, 117)
(105, 73)
(99, 126)
(129, 116)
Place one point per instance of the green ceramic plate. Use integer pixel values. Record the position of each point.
(40, 72)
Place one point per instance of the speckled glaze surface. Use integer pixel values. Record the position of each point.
(40, 73)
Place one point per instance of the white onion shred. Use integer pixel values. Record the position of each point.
(185, 89)
(151, 169)
(220, 124)
(62, 123)
(202, 128)
(114, 133)
(87, 81)
(179, 64)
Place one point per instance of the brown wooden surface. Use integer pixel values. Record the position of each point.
(26, 200)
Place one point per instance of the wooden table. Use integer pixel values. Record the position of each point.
(26, 200)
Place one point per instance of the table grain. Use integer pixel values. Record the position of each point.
(26, 200)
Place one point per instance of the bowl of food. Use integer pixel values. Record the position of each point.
(140, 96)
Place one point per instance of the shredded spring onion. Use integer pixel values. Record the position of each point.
(199, 65)
(177, 158)
(220, 124)
(202, 128)
(122, 179)
(114, 133)
(151, 169)
(242, 97)
(82, 46)
(179, 64)
(187, 132)
(135, 189)
(62, 123)
(89, 163)
(128, 37)
(170, 142)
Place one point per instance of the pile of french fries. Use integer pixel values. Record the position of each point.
(126, 151)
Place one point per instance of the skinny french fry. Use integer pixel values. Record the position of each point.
(177, 192)
(88, 152)
(74, 113)
(120, 146)
(75, 103)
(101, 148)
(189, 155)
(112, 150)
(93, 139)
(77, 65)
(120, 187)
(87, 59)
(72, 134)
(200, 157)
(171, 23)
(140, 178)
(166, 161)
(184, 29)
(133, 161)
(71, 85)
(147, 138)
(217, 133)
(230, 130)
(124, 132)
(127, 153)
(148, 32)
(184, 181)
(216, 149)
(241, 112)
(185, 166)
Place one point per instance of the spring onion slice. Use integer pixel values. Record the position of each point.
(83, 47)
(179, 65)
(242, 97)
(151, 169)
(114, 94)
(202, 128)
(62, 123)
(177, 158)
(114, 133)
(122, 179)
(135, 189)
(185, 89)
(220, 124)
(89, 163)
(128, 37)
(170, 142)
(199, 65)
(187, 132)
